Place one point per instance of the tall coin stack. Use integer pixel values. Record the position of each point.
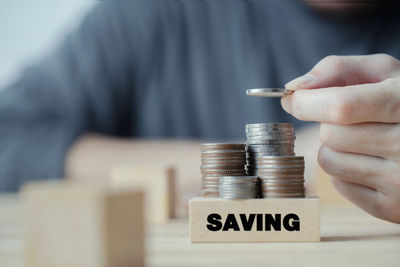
(271, 157)
(219, 160)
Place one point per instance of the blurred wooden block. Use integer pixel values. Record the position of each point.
(254, 220)
(158, 183)
(70, 224)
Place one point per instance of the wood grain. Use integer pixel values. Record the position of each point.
(349, 237)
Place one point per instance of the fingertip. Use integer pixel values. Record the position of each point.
(300, 82)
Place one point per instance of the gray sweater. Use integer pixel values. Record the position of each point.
(170, 69)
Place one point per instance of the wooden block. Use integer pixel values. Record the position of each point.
(158, 183)
(254, 220)
(70, 224)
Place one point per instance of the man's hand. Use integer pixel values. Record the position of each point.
(357, 101)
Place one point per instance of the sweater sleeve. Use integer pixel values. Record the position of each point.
(82, 86)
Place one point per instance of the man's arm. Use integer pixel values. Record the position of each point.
(80, 87)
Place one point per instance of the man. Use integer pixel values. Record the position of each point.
(179, 69)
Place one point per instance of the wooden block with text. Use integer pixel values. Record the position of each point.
(254, 220)
(158, 183)
(80, 225)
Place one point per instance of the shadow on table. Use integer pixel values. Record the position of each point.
(359, 237)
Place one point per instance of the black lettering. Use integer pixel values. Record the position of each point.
(231, 223)
(295, 225)
(247, 224)
(259, 222)
(271, 221)
(214, 221)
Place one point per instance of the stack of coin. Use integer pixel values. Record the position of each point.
(270, 139)
(280, 176)
(218, 160)
(238, 187)
(270, 156)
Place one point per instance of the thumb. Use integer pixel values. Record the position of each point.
(347, 70)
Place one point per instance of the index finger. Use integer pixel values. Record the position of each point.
(374, 102)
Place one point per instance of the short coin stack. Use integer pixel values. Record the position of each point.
(238, 187)
(280, 176)
(219, 160)
(270, 156)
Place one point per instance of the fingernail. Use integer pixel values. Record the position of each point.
(300, 82)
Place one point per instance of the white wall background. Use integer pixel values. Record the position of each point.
(30, 28)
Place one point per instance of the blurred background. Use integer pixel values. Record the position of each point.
(187, 93)
(28, 29)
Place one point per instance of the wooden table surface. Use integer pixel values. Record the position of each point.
(350, 237)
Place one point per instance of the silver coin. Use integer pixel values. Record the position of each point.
(256, 147)
(211, 191)
(276, 160)
(260, 151)
(283, 181)
(237, 197)
(285, 196)
(282, 177)
(272, 127)
(203, 187)
(265, 135)
(239, 186)
(277, 186)
(222, 152)
(283, 158)
(275, 167)
(276, 154)
(255, 162)
(205, 182)
(238, 179)
(268, 92)
(282, 187)
(222, 167)
(219, 175)
(256, 155)
(261, 134)
(262, 131)
(264, 153)
(263, 174)
(267, 124)
(298, 193)
(297, 184)
(263, 142)
(221, 146)
(239, 189)
(271, 136)
(278, 171)
(259, 131)
(271, 165)
(272, 143)
(221, 160)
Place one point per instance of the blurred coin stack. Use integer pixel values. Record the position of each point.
(219, 160)
(238, 187)
(270, 156)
